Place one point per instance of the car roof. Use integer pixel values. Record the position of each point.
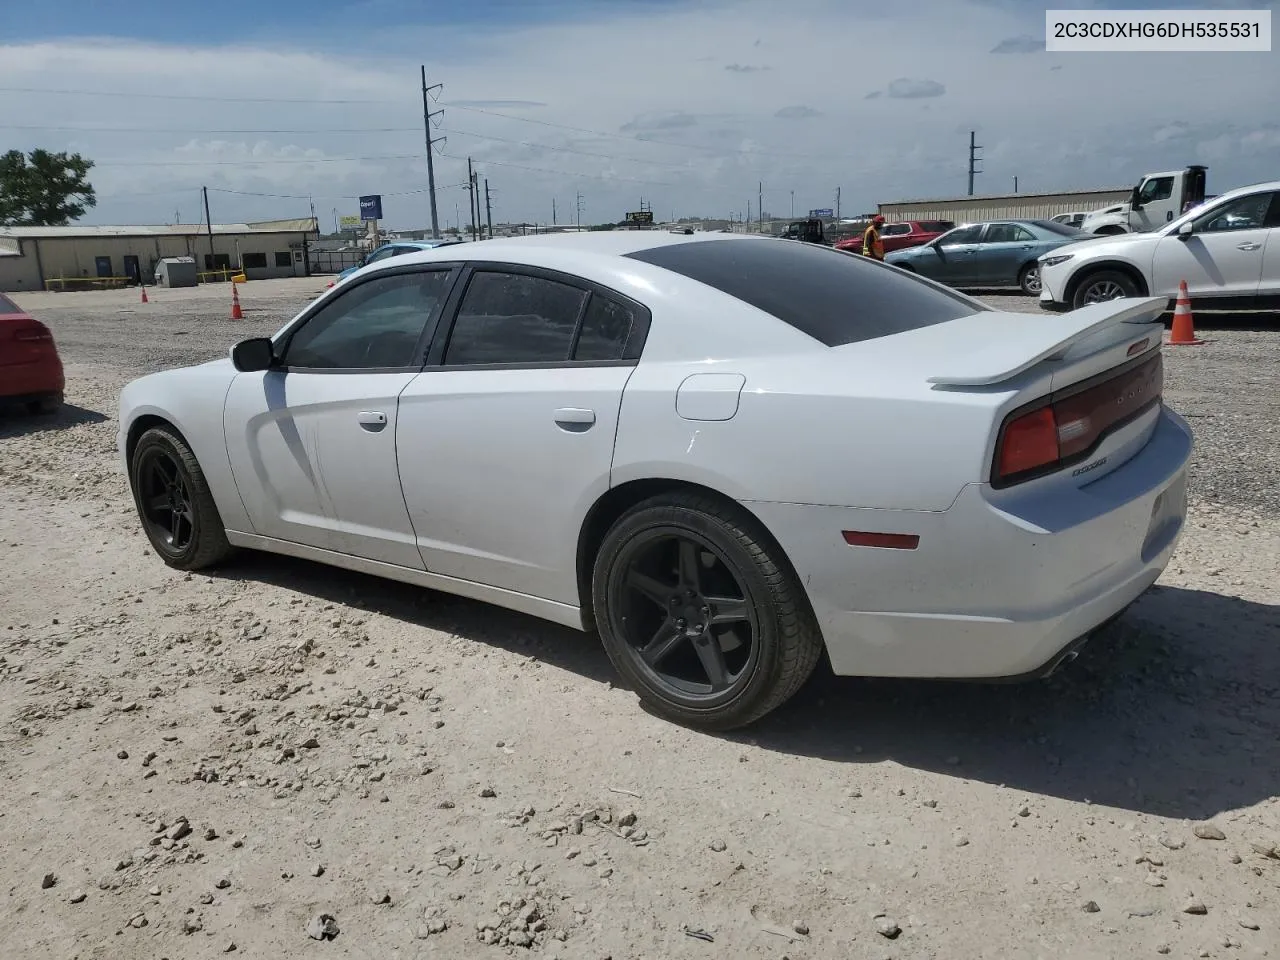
(609, 243)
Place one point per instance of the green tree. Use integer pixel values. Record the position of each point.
(43, 189)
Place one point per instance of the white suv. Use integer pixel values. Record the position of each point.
(1227, 250)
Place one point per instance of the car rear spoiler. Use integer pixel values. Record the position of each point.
(999, 354)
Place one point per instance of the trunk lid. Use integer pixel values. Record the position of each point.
(23, 339)
(1086, 392)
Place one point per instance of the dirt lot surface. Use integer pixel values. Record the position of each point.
(197, 765)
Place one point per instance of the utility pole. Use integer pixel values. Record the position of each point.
(973, 159)
(793, 204)
(431, 169)
(837, 204)
(1015, 183)
(488, 209)
(579, 211)
(471, 197)
(760, 203)
(208, 223)
(553, 211)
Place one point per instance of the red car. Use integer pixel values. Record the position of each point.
(30, 368)
(899, 236)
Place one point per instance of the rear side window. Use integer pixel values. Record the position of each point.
(7, 305)
(834, 297)
(606, 330)
(513, 318)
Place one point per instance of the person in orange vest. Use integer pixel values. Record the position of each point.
(872, 245)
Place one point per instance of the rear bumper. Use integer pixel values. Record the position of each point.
(31, 381)
(999, 586)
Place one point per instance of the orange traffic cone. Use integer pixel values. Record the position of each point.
(144, 295)
(1184, 325)
(236, 312)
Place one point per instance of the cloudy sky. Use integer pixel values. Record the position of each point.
(686, 104)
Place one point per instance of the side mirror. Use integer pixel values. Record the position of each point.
(250, 356)
(1135, 199)
(1186, 230)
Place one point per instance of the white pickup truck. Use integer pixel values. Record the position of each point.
(1158, 199)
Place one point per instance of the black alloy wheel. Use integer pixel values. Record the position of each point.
(700, 611)
(165, 499)
(174, 502)
(685, 616)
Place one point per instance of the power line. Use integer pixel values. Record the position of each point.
(248, 162)
(330, 196)
(623, 136)
(180, 96)
(99, 129)
(547, 146)
(563, 173)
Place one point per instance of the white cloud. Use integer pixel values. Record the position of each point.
(1054, 120)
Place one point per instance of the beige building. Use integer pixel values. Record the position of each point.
(1011, 206)
(71, 257)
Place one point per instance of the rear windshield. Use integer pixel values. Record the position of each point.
(834, 297)
(7, 305)
(936, 226)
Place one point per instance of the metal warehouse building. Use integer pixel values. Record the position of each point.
(1010, 206)
(72, 257)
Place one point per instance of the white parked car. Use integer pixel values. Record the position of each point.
(1227, 250)
(1073, 219)
(728, 455)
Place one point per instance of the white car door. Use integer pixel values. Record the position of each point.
(312, 441)
(1269, 286)
(1221, 259)
(506, 438)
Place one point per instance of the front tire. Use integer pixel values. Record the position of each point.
(699, 611)
(1103, 286)
(174, 502)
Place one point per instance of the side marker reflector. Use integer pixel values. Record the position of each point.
(891, 541)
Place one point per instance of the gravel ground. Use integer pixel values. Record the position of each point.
(204, 764)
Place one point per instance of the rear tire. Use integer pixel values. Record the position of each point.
(1029, 280)
(174, 502)
(45, 405)
(1102, 286)
(700, 612)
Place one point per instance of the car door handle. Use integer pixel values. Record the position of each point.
(575, 418)
(371, 420)
(1248, 245)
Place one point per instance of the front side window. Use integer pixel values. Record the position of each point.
(897, 229)
(1160, 188)
(514, 318)
(382, 254)
(378, 323)
(1243, 213)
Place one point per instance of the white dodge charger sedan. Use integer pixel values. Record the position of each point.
(726, 455)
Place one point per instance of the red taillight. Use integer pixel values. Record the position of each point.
(1030, 442)
(1069, 425)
